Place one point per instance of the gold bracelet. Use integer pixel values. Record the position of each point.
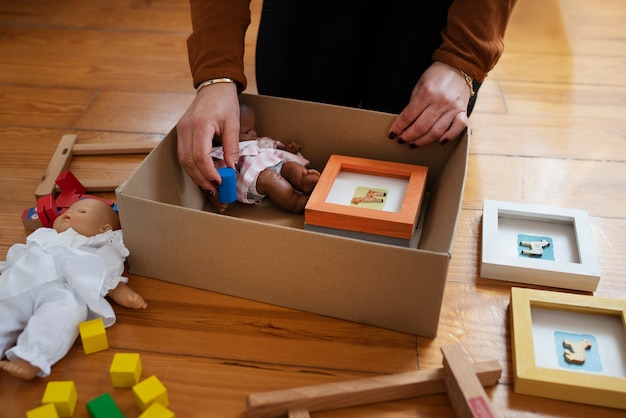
(470, 83)
(214, 81)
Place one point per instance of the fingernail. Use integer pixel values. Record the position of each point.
(443, 141)
(401, 141)
(208, 193)
(412, 146)
(392, 135)
(215, 183)
(237, 167)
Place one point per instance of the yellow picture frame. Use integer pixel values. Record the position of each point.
(574, 386)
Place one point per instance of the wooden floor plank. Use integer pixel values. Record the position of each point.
(548, 128)
(129, 15)
(134, 112)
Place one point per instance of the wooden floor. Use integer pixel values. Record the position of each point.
(549, 128)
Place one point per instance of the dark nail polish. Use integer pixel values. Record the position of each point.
(392, 135)
(208, 193)
(443, 141)
(412, 146)
(237, 167)
(401, 141)
(215, 183)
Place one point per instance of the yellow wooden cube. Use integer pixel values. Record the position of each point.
(125, 370)
(156, 410)
(44, 411)
(62, 395)
(149, 391)
(93, 335)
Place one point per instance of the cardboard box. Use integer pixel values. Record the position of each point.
(264, 254)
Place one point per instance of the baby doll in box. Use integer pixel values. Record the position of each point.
(57, 280)
(268, 168)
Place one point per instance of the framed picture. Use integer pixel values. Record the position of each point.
(569, 347)
(538, 245)
(367, 196)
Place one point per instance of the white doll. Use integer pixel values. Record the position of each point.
(57, 280)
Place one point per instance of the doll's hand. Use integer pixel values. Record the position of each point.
(220, 207)
(134, 300)
(293, 147)
(127, 297)
(437, 108)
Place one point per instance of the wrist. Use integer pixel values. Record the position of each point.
(214, 81)
(469, 81)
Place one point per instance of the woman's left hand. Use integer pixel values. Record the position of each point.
(437, 110)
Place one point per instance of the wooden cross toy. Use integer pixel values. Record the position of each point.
(459, 377)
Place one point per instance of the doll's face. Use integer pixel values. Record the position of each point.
(88, 217)
(247, 123)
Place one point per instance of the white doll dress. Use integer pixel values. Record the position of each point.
(52, 283)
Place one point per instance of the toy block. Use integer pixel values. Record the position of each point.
(68, 181)
(30, 219)
(149, 391)
(93, 335)
(104, 407)
(125, 370)
(156, 410)
(61, 394)
(46, 210)
(44, 411)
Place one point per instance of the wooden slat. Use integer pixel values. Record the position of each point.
(463, 386)
(548, 129)
(113, 148)
(360, 392)
(58, 163)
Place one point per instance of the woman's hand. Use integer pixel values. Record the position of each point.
(214, 111)
(437, 109)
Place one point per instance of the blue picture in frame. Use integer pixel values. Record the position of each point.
(533, 246)
(591, 355)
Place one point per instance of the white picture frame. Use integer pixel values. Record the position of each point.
(573, 264)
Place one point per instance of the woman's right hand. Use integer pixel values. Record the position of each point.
(214, 111)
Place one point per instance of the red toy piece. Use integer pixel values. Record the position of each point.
(48, 208)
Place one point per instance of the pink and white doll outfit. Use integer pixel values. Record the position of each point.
(254, 157)
(50, 285)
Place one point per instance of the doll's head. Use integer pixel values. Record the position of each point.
(88, 217)
(247, 123)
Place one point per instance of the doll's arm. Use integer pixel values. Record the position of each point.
(127, 297)
(292, 147)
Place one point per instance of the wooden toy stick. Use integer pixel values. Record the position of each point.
(58, 163)
(101, 185)
(68, 147)
(361, 391)
(465, 391)
(298, 413)
(113, 148)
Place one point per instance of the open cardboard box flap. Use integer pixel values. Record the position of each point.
(262, 253)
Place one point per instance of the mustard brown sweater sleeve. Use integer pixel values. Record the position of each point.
(216, 44)
(473, 37)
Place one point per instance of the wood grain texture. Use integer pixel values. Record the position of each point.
(548, 128)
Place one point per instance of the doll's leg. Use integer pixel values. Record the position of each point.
(49, 334)
(301, 178)
(14, 312)
(280, 191)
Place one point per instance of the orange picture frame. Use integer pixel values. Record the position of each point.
(397, 224)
